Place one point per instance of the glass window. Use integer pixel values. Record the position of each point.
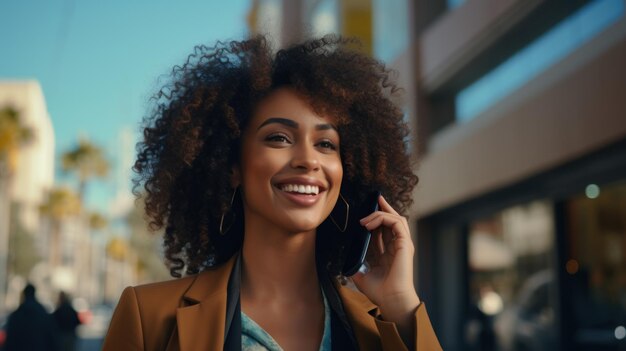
(596, 267)
(556, 44)
(511, 280)
(391, 29)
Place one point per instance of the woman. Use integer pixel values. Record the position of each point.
(250, 162)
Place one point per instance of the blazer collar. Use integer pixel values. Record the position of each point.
(201, 319)
(356, 300)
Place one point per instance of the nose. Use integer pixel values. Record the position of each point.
(305, 157)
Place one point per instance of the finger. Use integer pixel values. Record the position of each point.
(368, 217)
(388, 236)
(380, 242)
(395, 223)
(376, 214)
(374, 220)
(377, 240)
(385, 206)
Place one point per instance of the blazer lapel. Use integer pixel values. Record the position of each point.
(361, 313)
(202, 318)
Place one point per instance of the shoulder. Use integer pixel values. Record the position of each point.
(169, 295)
(154, 302)
(162, 291)
(207, 281)
(145, 316)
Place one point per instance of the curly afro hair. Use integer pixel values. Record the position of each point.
(192, 135)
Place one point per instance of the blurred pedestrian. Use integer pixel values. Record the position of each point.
(67, 321)
(31, 327)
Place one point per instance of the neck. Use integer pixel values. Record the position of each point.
(277, 264)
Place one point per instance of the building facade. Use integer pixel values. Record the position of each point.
(35, 168)
(521, 207)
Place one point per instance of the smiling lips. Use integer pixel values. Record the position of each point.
(301, 194)
(300, 189)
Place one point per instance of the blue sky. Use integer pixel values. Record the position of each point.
(98, 61)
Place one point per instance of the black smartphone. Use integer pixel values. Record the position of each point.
(357, 237)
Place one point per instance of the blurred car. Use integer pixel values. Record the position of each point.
(529, 324)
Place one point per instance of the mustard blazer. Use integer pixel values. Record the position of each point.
(189, 314)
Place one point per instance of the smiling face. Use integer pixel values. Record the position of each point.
(290, 171)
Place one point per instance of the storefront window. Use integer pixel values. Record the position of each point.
(511, 280)
(596, 267)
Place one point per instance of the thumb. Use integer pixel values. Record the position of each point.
(361, 281)
(358, 280)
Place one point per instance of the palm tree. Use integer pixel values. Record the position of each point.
(150, 266)
(87, 161)
(14, 134)
(60, 204)
(97, 266)
(97, 221)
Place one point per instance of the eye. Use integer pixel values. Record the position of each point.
(327, 144)
(277, 138)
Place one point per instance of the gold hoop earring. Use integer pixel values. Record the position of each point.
(232, 200)
(345, 224)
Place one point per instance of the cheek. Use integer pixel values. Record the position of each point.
(335, 172)
(259, 167)
(338, 174)
(255, 174)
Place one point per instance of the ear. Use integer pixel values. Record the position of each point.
(235, 177)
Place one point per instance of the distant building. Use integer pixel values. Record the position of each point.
(522, 123)
(286, 22)
(35, 171)
(31, 178)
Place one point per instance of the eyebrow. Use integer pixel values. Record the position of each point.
(293, 124)
(284, 121)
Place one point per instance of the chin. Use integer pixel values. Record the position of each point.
(301, 220)
(301, 226)
(304, 229)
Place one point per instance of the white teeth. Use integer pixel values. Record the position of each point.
(301, 189)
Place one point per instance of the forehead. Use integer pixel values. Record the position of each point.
(286, 103)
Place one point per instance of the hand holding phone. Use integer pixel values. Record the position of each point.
(357, 236)
(389, 284)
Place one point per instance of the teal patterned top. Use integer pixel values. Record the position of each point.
(254, 338)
